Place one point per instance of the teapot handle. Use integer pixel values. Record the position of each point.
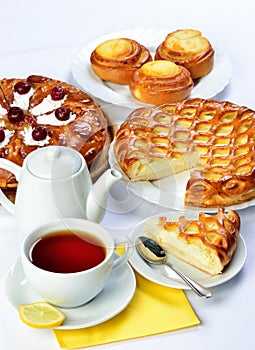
(16, 170)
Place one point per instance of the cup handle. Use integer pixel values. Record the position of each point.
(128, 251)
(16, 170)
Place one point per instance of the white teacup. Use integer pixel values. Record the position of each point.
(67, 286)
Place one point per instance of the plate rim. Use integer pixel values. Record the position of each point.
(210, 281)
(71, 311)
(81, 64)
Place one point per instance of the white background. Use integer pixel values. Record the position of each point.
(31, 33)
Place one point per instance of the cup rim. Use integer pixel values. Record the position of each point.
(26, 244)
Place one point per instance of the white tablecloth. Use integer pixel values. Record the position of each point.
(41, 37)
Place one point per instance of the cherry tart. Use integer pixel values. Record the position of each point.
(40, 111)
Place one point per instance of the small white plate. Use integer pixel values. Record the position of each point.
(206, 87)
(168, 192)
(114, 298)
(163, 275)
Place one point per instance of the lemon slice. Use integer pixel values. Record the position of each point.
(41, 315)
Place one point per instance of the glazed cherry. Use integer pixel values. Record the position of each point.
(2, 135)
(57, 93)
(62, 113)
(22, 87)
(39, 133)
(15, 114)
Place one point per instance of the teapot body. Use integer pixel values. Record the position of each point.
(39, 200)
(54, 182)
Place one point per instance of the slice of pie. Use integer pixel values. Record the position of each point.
(207, 242)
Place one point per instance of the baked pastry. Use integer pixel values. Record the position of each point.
(115, 60)
(213, 140)
(39, 111)
(207, 242)
(160, 82)
(188, 48)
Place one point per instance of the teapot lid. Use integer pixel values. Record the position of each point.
(54, 162)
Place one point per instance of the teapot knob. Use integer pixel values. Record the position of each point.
(53, 152)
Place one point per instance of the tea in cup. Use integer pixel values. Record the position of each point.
(68, 261)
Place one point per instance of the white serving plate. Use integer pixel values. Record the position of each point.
(206, 87)
(168, 192)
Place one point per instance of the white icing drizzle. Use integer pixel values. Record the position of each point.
(50, 119)
(3, 111)
(22, 100)
(28, 139)
(47, 105)
(7, 134)
(41, 111)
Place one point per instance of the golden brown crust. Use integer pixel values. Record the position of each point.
(86, 132)
(213, 140)
(115, 60)
(188, 48)
(208, 242)
(160, 82)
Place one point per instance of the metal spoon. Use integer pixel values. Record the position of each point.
(153, 253)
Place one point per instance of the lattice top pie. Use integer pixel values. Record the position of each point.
(214, 140)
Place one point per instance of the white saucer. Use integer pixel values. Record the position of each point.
(116, 295)
(161, 274)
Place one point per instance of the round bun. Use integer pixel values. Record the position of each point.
(187, 48)
(160, 81)
(115, 60)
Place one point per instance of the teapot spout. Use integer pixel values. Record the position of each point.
(97, 197)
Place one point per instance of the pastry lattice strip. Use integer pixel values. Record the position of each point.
(215, 139)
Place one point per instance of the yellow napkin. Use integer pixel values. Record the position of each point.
(154, 309)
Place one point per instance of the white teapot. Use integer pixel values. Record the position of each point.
(54, 182)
